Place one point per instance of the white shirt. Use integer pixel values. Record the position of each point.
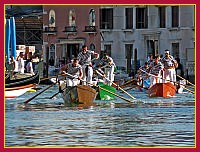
(21, 65)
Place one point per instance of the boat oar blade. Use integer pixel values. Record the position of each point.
(27, 101)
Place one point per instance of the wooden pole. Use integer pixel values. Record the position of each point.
(186, 80)
(135, 61)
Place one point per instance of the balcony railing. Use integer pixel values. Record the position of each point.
(70, 30)
(50, 30)
(90, 29)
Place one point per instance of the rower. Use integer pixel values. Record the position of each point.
(84, 58)
(73, 69)
(141, 75)
(108, 66)
(169, 67)
(155, 70)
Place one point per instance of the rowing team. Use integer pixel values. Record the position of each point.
(82, 68)
(158, 70)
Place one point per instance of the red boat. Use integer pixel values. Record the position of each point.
(165, 90)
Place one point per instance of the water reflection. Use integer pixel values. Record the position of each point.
(148, 122)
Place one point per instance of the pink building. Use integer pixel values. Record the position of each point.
(67, 28)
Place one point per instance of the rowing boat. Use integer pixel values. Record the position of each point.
(104, 95)
(17, 91)
(165, 90)
(79, 95)
(25, 80)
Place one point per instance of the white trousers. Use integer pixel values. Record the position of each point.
(155, 79)
(169, 75)
(87, 77)
(72, 82)
(109, 72)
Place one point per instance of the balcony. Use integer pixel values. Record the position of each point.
(90, 29)
(70, 30)
(50, 30)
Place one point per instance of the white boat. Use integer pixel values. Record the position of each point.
(17, 91)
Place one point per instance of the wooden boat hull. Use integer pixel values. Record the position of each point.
(165, 90)
(103, 95)
(79, 95)
(22, 81)
(17, 91)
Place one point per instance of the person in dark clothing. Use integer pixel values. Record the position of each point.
(51, 61)
(179, 69)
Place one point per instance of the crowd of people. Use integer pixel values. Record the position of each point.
(20, 66)
(83, 68)
(159, 70)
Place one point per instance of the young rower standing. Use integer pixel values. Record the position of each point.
(84, 58)
(169, 67)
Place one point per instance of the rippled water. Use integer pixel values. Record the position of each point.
(148, 122)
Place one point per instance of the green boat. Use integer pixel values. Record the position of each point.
(103, 95)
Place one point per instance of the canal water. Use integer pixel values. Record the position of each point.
(149, 122)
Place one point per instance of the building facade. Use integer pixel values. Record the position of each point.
(67, 28)
(131, 33)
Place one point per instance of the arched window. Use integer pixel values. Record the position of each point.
(52, 51)
(92, 47)
(52, 18)
(92, 17)
(72, 18)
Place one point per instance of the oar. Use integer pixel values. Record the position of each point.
(128, 82)
(116, 85)
(189, 90)
(103, 89)
(57, 92)
(185, 79)
(27, 101)
(55, 76)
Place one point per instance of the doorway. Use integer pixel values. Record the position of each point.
(72, 51)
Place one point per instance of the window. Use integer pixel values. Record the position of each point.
(152, 47)
(175, 50)
(72, 18)
(162, 17)
(141, 18)
(129, 55)
(107, 49)
(52, 18)
(129, 18)
(175, 16)
(92, 17)
(106, 18)
(92, 47)
(52, 51)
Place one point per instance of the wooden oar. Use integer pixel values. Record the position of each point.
(128, 82)
(55, 76)
(27, 101)
(104, 89)
(57, 92)
(189, 90)
(116, 85)
(185, 80)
